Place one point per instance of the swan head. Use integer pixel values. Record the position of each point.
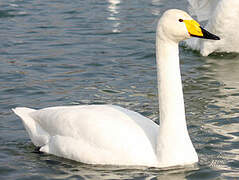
(177, 25)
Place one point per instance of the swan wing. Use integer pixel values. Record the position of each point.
(96, 134)
(202, 8)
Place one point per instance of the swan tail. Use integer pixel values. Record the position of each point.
(22, 111)
(39, 136)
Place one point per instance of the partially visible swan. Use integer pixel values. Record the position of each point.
(221, 17)
(108, 134)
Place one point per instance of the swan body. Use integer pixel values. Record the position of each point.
(221, 17)
(95, 134)
(108, 134)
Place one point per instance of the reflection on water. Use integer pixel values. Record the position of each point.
(114, 8)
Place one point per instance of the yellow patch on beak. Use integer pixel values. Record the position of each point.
(193, 28)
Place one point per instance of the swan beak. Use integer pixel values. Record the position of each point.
(195, 30)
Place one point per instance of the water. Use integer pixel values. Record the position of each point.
(92, 52)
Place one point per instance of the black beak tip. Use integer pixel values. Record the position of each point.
(216, 38)
(208, 35)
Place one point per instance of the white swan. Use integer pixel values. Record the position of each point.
(108, 134)
(221, 18)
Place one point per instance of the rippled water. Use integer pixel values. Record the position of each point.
(92, 52)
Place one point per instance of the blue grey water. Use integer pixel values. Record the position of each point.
(103, 52)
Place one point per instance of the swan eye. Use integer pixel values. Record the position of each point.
(180, 20)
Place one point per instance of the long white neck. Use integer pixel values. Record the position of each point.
(171, 101)
(174, 145)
